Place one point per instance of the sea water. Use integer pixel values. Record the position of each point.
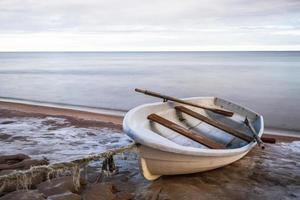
(267, 82)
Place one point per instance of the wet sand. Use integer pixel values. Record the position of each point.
(273, 173)
(57, 138)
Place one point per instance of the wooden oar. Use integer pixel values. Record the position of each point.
(165, 98)
(257, 139)
(187, 133)
(268, 140)
(214, 123)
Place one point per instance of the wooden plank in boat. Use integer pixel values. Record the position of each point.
(216, 124)
(190, 134)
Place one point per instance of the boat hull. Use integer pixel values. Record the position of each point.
(164, 151)
(155, 163)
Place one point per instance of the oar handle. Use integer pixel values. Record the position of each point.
(165, 97)
(150, 93)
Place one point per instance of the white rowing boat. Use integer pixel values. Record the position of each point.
(164, 150)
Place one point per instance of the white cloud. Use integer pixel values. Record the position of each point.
(29, 25)
(288, 32)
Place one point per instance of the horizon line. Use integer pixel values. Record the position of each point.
(145, 51)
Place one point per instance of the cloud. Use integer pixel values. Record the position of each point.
(288, 32)
(148, 24)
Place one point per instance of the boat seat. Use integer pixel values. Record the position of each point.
(216, 124)
(187, 133)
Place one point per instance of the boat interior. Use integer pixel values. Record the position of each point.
(170, 121)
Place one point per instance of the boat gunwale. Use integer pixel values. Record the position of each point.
(170, 146)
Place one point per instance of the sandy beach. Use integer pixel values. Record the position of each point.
(273, 173)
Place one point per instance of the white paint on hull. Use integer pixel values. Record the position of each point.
(154, 163)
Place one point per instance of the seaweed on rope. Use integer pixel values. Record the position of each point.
(22, 179)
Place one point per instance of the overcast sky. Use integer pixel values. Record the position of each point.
(133, 25)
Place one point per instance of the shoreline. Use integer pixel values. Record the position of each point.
(88, 113)
(259, 175)
(100, 114)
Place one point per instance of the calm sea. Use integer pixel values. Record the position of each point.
(268, 82)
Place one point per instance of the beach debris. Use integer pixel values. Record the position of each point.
(22, 179)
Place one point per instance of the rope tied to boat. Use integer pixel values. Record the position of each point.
(22, 179)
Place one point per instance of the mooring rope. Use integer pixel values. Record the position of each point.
(25, 176)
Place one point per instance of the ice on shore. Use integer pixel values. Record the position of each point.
(56, 138)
